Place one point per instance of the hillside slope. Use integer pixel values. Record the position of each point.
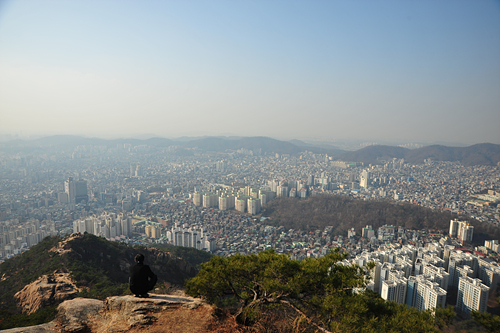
(343, 213)
(97, 267)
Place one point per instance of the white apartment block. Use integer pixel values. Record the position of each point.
(472, 295)
(195, 237)
(429, 295)
(394, 290)
(461, 230)
(105, 225)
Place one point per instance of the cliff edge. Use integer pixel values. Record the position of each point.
(158, 313)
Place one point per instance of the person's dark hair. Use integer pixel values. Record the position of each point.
(139, 258)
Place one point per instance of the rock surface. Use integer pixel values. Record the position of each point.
(158, 313)
(78, 315)
(46, 290)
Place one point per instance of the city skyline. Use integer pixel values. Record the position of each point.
(390, 71)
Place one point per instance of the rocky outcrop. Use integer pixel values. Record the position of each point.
(126, 312)
(45, 291)
(168, 267)
(158, 313)
(78, 315)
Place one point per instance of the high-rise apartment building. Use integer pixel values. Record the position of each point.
(465, 232)
(453, 228)
(489, 272)
(461, 230)
(253, 206)
(135, 170)
(210, 200)
(368, 232)
(429, 296)
(472, 295)
(394, 290)
(460, 264)
(105, 225)
(197, 199)
(310, 180)
(424, 294)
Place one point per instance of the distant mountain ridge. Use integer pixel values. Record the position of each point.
(478, 154)
(217, 144)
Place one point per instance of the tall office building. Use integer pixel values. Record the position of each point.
(69, 188)
(81, 191)
(472, 295)
(76, 190)
(365, 179)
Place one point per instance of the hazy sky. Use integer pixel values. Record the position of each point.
(406, 71)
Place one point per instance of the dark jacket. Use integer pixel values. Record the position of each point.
(142, 279)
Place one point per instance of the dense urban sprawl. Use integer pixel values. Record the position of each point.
(211, 201)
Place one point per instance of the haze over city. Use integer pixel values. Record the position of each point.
(393, 71)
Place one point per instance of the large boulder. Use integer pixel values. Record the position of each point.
(45, 291)
(78, 315)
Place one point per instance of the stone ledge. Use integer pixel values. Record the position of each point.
(115, 314)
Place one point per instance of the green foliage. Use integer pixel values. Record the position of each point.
(487, 320)
(26, 268)
(99, 268)
(193, 256)
(95, 264)
(344, 213)
(105, 289)
(12, 320)
(444, 316)
(320, 292)
(367, 312)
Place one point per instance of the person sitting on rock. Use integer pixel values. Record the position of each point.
(141, 279)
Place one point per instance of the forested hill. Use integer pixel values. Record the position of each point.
(479, 154)
(344, 213)
(97, 266)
